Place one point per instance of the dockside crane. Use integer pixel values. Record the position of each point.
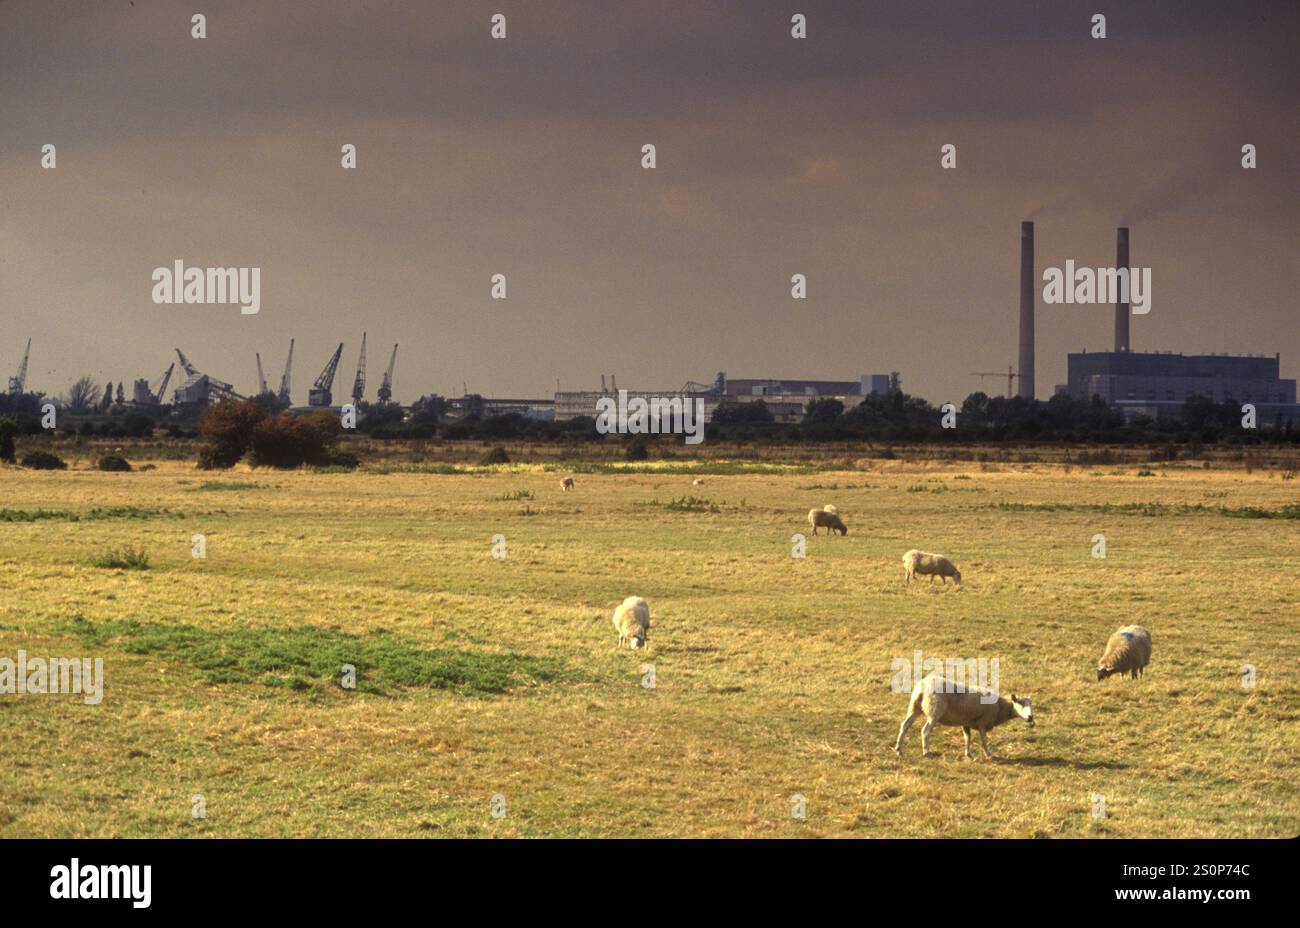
(19, 383)
(284, 381)
(262, 388)
(162, 386)
(320, 394)
(359, 384)
(386, 388)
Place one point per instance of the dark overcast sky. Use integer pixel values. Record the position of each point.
(522, 157)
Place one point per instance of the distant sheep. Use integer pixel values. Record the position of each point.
(828, 520)
(831, 509)
(1127, 652)
(697, 482)
(945, 702)
(566, 484)
(918, 563)
(632, 619)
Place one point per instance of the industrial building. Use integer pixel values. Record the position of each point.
(787, 400)
(1157, 384)
(1151, 383)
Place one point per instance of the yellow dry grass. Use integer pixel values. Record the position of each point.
(772, 674)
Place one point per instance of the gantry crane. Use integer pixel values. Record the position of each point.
(386, 388)
(283, 396)
(320, 394)
(19, 383)
(359, 384)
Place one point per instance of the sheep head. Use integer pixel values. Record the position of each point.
(1023, 706)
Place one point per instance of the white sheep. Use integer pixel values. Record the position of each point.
(1127, 652)
(697, 482)
(566, 484)
(632, 619)
(828, 520)
(932, 565)
(946, 702)
(831, 509)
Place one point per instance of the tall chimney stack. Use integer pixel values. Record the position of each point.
(1121, 309)
(1027, 310)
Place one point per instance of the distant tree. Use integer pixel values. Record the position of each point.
(428, 411)
(823, 411)
(121, 395)
(227, 432)
(747, 413)
(82, 395)
(8, 428)
(107, 400)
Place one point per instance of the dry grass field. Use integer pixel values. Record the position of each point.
(481, 676)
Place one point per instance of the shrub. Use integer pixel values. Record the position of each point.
(43, 460)
(496, 456)
(123, 559)
(637, 449)
(227, 432)
(114, 462)
(287, 441)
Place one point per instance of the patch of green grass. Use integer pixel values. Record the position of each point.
(685, 504)
(1157, 509)
(35, 515)
(90, 515)
(306, 657)
(122, 559)
(515, 496)
(227, 485)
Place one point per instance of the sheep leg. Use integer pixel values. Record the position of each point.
(965, 731)
(902, 730)
(984, 740)
(925, 736)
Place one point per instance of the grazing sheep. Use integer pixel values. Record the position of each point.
(632, 619)
(831, 509)
(1128, 651)
(566, 484)
(934, 565)
(944, 702)
(829, 520)
(697, 482)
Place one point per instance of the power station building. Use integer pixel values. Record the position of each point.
(1153, 384)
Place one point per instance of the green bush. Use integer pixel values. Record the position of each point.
(43, 460)
(123, 559)
(114, 462)
(496, 456)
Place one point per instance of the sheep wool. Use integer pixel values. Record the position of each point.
(919, 563)
(632, 619)
(947, 702)
(1127, 652)
(566, 484)
(820, 518)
